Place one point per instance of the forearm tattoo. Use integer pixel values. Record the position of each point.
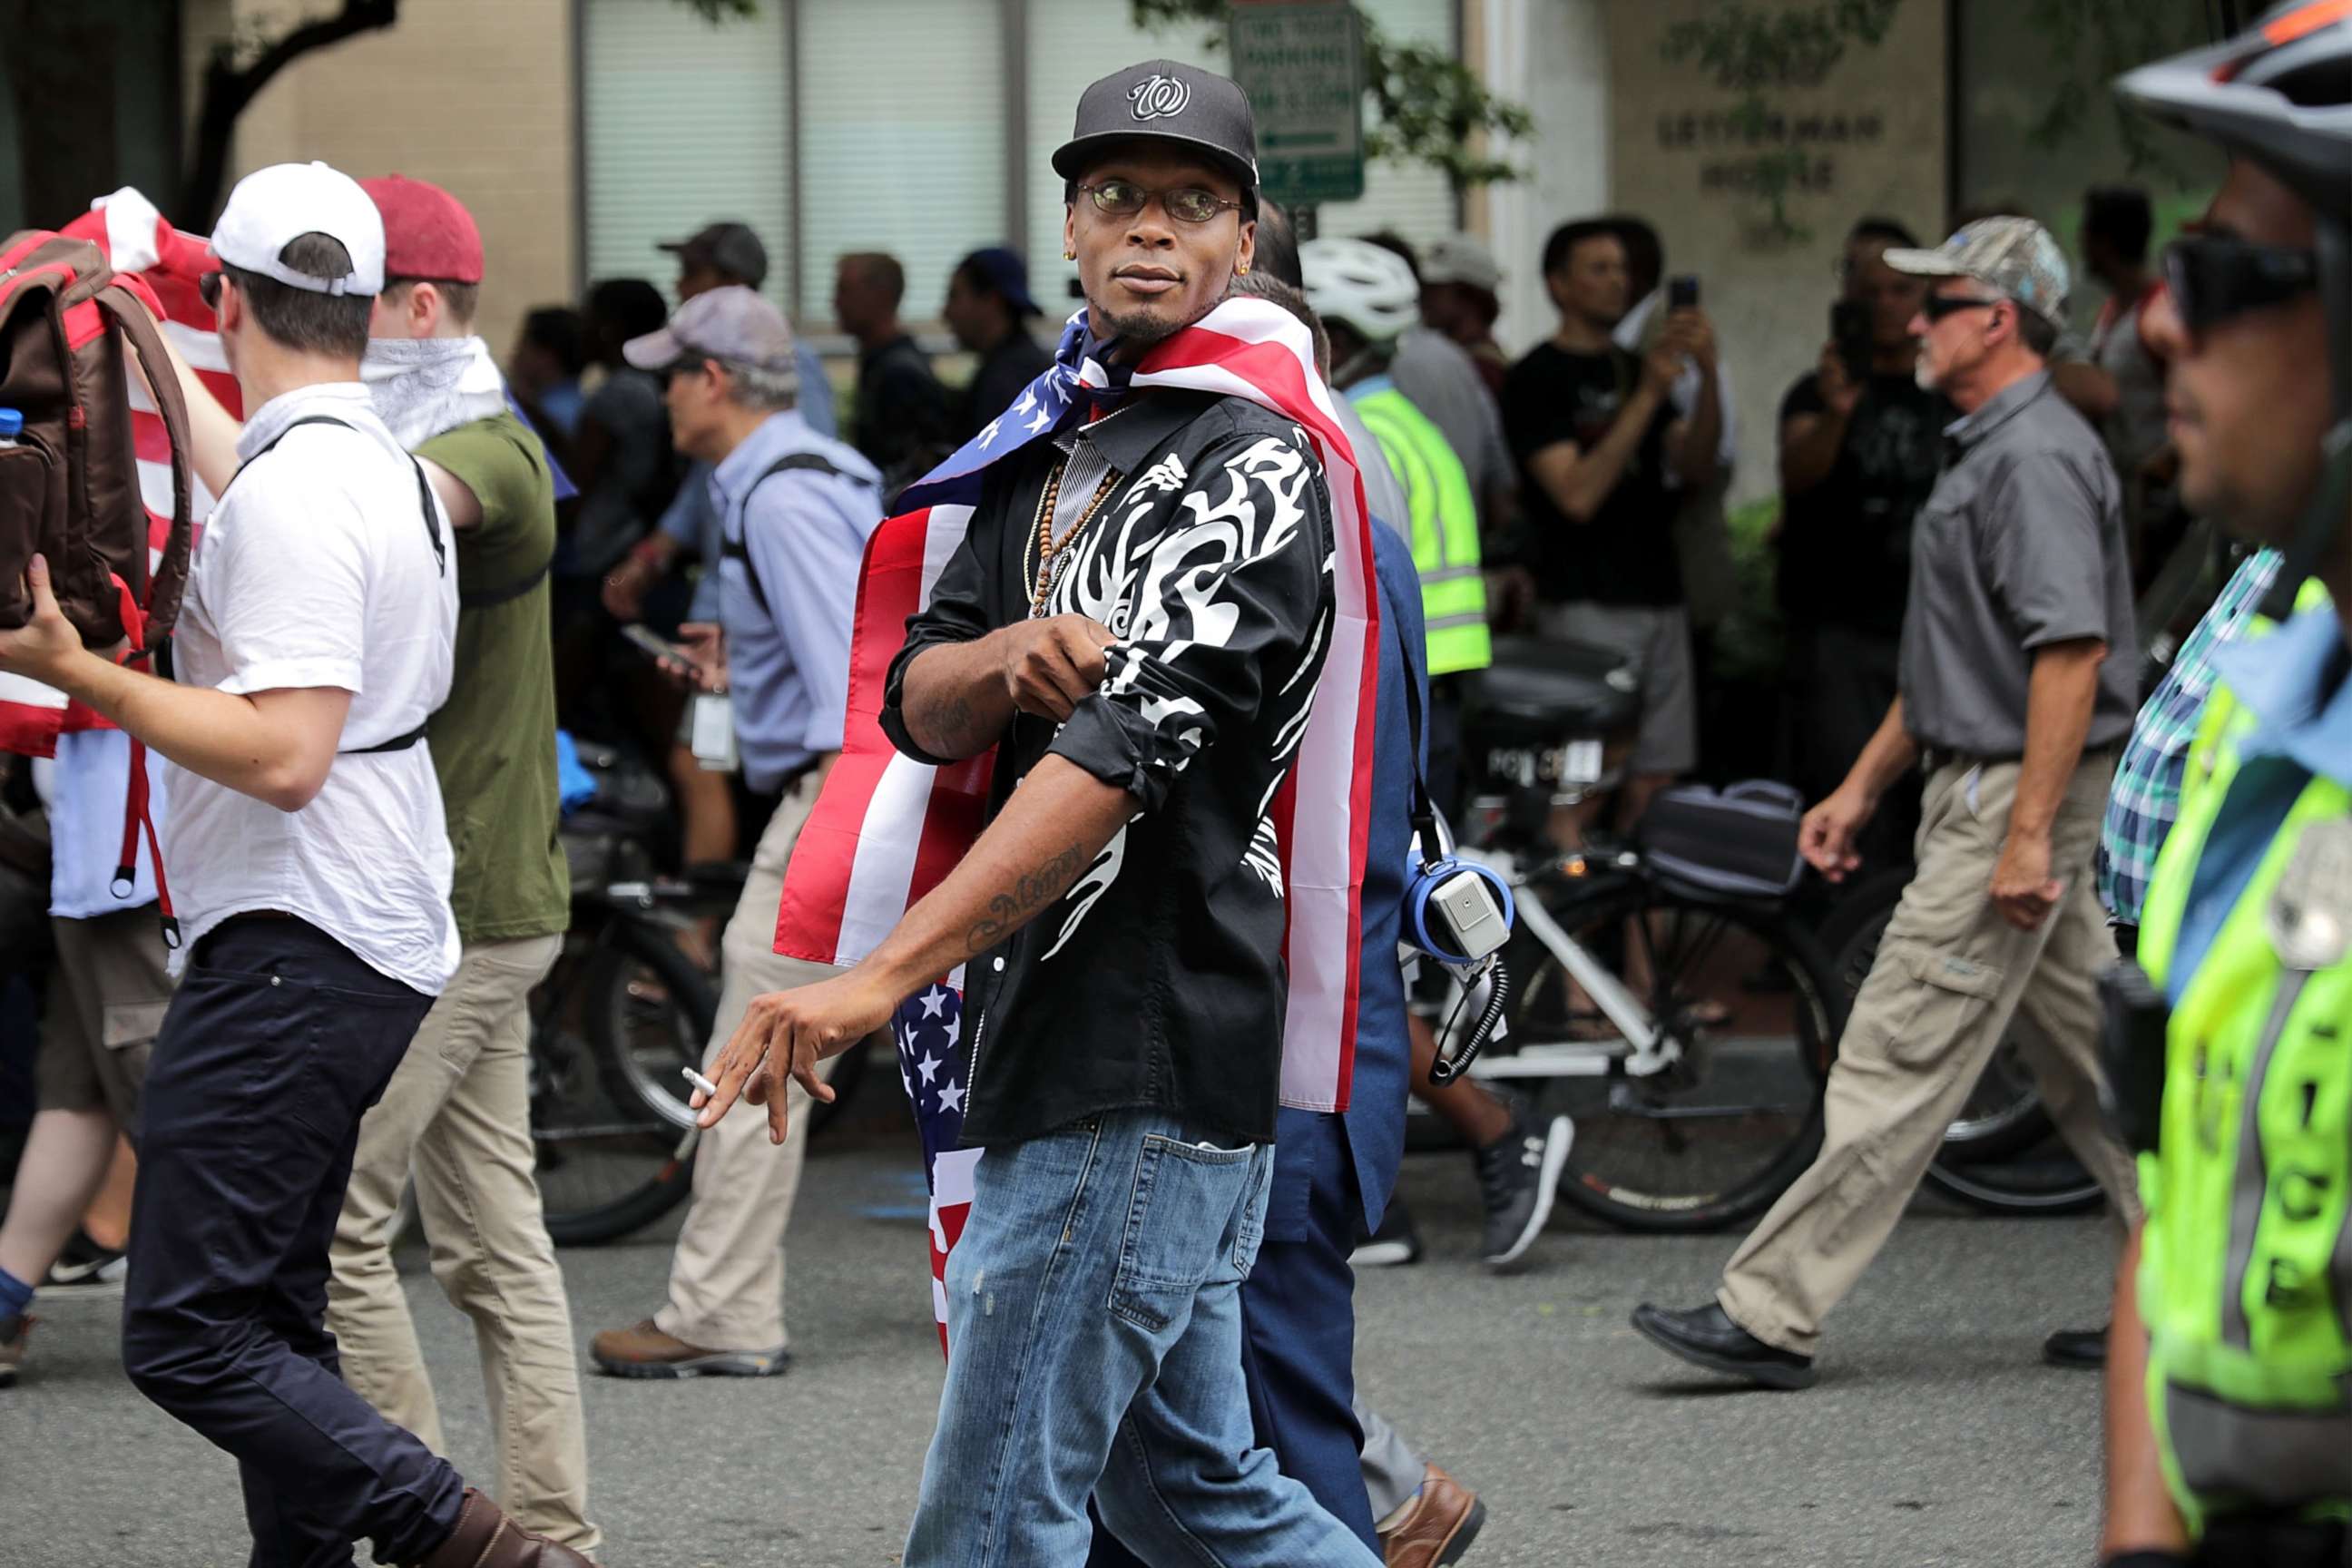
(1031, 892)
(949, 719)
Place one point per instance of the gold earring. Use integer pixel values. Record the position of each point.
(1242, 271)
(1070, 256)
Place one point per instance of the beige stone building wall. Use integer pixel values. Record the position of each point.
(1871, 134)
(472, 95)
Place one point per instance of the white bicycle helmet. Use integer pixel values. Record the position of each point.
(1359, 285)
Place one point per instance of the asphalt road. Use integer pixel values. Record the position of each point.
(1934, 1437)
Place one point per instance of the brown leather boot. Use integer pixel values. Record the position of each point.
(486, 1538)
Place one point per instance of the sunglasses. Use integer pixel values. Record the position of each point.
(677, 368)
(2213, 278)
(1185, 203)
(1936, 306)
(208, 287)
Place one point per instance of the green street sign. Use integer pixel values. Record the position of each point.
(1303, 66)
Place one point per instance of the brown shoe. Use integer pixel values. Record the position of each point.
(646, 1352)
(486, 1538)
(13, 1333)
(1438, 1526)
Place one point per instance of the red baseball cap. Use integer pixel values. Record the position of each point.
(428, 232)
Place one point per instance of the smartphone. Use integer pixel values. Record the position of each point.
(1682, 291)
(1850, 330)
(654, 644)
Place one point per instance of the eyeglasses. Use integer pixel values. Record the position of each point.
(2214, 276)
(1936, 306)
(208, 287)
(1185, 203)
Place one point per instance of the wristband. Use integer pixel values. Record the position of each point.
(653, 551)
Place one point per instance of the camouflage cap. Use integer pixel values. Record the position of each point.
(2014, 257)
(729, 323)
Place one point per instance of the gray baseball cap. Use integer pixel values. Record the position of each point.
(2014, 257)
(729, 323)
(1164, 101)
(726, 248)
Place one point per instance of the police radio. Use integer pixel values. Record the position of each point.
(1457, 911)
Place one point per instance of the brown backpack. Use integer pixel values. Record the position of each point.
(69, 485)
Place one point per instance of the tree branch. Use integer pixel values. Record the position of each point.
(229, 89)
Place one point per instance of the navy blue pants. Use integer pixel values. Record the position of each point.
(277, 1042)
(1299, 1326)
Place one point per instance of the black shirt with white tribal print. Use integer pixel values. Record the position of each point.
(1156, 981)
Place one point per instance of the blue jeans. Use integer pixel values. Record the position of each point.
(1095, 1346)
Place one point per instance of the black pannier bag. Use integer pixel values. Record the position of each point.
(1740, 842)
(1542, 716)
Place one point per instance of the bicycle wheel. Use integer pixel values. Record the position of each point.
(2001, 1153)
(615, 1142)
(1717, 1136)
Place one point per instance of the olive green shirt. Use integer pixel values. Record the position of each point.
(494, 741)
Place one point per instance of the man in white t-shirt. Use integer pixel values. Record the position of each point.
(312, 865)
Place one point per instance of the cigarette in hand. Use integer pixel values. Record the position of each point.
(700, 1082)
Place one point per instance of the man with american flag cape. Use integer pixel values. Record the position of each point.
(1141, 650)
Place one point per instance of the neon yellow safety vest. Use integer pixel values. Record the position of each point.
(1444, 531)
(2245, 1280)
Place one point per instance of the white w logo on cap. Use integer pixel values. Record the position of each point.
(1157, 96)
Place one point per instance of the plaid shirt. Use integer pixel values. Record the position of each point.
(2147, 794)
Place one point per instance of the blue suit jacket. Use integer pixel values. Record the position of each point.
(1375, 1116)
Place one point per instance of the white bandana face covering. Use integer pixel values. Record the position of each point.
(423, 388)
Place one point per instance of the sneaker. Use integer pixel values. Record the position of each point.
(646, 1352)
(86, 1269)
(1516, 1175)
(1395, 1244)
(14, 1332)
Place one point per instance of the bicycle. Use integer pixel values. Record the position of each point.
(1695, 1094)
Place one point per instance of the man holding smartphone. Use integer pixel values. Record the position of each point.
(795, 509)
(1861, 442)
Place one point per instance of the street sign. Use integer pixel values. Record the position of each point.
(1303, 66)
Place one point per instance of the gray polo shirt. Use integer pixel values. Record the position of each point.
(2019, 544)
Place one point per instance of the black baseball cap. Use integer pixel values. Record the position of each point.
(726, 248)
(1165, 100)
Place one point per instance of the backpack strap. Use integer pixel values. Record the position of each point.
(424, 486)
(734, 549)
(432, 532)
(169, 580)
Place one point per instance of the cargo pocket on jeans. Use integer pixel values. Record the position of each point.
(1178, 1218)
(1955, 991)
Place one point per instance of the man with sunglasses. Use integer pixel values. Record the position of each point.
(311, 857)
(1135, 620)
(2015, 675)
(2229, 1423)
(794, 510)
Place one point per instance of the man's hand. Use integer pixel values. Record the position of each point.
(626, 586)
(2022, 883)
(44, 644)
(784, 1036)
(1510, 598)
(705, 646)
(1692, 335)
(1839, 389)
(1051, 666)
(1826, 837)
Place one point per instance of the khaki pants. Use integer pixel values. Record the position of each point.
(727, 1281)
(458, 1114)
(1950, 975)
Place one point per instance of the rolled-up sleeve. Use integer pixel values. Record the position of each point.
(2045, 549)
(1228, 617)
(957, 613)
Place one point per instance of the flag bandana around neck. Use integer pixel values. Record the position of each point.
(887, 829)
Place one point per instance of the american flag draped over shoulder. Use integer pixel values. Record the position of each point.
(138, 244)
(886, 829)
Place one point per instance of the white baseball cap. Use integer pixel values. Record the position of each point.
(1459, 259)
(272, 207)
